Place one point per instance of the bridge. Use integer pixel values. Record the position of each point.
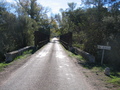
(50, 68)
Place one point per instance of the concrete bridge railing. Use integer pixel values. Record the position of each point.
(12, 55)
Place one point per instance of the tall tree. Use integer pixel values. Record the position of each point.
(36, 11)
(72, 6)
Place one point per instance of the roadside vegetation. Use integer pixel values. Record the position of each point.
(94, 23)
(18, 21)
(97, 68)
(23, 56)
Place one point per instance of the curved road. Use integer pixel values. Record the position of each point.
(50, 68)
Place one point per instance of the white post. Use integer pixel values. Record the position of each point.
(102, 56)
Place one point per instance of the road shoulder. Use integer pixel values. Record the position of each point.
(95, 78)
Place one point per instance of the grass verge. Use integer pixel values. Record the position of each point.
(24, 55)
(3, 65)
(113, 79)
(78, 57)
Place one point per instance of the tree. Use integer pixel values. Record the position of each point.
(34, 10)
(7, 39)
(28, 17)
(72, 6)
(54, 27)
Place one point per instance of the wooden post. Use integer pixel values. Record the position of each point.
(102, 56)
(103, 48)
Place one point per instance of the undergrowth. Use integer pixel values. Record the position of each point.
(24, 55)
(114, 78)
(77, 56)
(3, 65)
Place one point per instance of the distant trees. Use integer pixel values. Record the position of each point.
(54, 27)
(92, 26)
(36, 12)
(17, 28)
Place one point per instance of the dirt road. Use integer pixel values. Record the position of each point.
(50, 68)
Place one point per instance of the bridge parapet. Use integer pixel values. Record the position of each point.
(40, 39)
(12, 55)
(66, 40)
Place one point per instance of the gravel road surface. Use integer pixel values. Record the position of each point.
(50, 68)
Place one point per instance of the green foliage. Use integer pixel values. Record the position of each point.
(78, 45)
(27, 52)
(17, 29)
(3, 65)
(54, 28)
(79, 57)
(24, 55)
(114, 78)
(93, 25)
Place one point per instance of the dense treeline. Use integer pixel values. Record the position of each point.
(92, 26)
(17, 25)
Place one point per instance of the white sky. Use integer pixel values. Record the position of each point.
(55, 5)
